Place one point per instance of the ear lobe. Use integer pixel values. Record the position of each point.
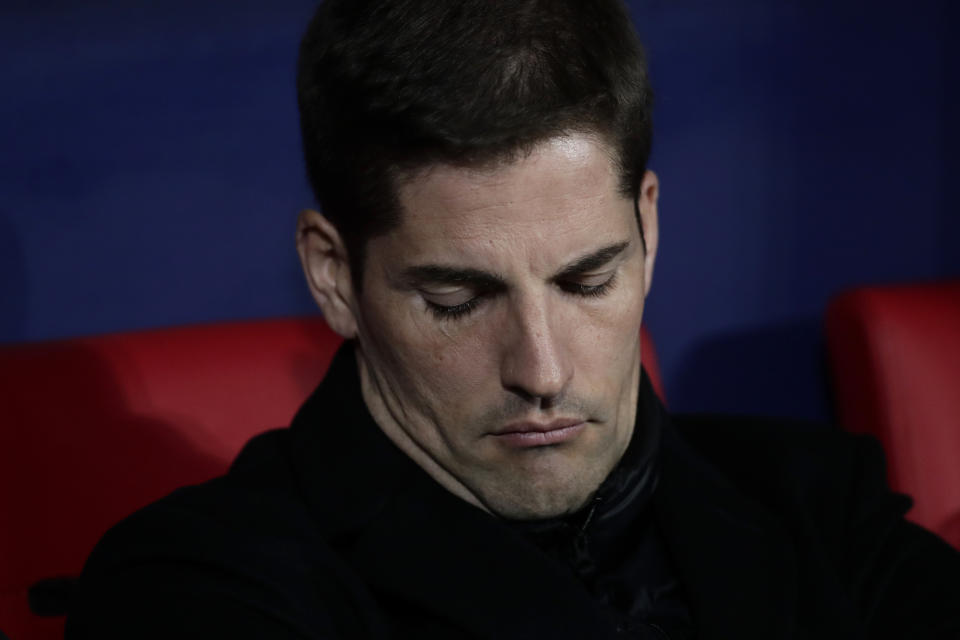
(323, 256)
(647, 205)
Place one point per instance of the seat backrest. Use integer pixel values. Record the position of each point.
(895, 355)
(92, 429)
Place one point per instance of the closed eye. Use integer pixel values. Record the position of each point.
(452, 302)
(592, 286)
(454, 311)
(588, 287)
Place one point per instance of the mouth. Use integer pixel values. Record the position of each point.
(525, 435)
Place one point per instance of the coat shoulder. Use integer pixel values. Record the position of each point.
(238, 554)
(828, 489)
(794, 468)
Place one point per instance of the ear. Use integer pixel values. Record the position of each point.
(324, 259)
(647, 207)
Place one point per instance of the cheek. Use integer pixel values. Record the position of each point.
(429, 366)
(452, 368)
(608, 338)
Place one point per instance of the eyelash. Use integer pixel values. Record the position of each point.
(590, 291)
(455, 311)
(459, 310)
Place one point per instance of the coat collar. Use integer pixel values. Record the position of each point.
(736, 560)
(379, 510)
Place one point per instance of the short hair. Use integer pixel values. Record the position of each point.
(387, 87)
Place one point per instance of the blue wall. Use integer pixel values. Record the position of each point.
(150, 173)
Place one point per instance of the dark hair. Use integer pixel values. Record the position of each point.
(386, 87)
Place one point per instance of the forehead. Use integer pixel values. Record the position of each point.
(564, 191)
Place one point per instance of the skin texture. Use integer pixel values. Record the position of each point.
(480, 316)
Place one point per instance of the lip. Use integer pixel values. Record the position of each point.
(524, 435)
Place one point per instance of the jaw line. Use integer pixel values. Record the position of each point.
(389, 424)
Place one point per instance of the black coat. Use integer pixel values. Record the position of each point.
(326, 530)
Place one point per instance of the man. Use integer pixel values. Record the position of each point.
(486, 458)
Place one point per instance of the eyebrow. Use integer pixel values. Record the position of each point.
(592, 261)
(419, 275)
(440, 274)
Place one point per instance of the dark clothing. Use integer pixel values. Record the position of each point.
(742, 528)
(613, 545)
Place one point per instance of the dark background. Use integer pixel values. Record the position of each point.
(150, 173)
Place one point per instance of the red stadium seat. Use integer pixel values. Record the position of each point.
(895, 355)
(94, 428)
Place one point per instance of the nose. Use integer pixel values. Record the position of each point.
(535, 358)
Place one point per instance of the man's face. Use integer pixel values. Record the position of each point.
(499, 327)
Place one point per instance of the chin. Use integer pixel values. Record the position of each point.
(550, 483)
(538, 503)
